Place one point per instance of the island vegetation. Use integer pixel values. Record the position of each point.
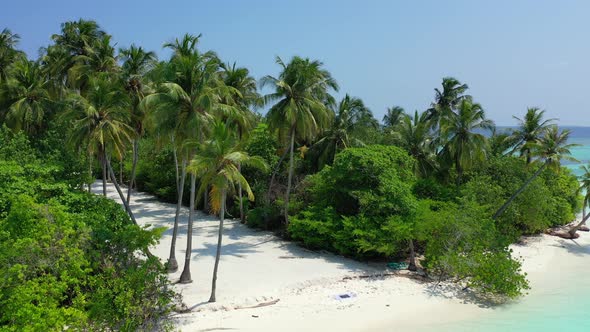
(442, 188)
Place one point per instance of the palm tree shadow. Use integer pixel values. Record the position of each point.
(236, 249)
(573, 247)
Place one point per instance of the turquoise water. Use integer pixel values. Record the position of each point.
(561, 303)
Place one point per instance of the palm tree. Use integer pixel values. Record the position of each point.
(447, 100)
(350, 120)
(529, 132)
(8, 52)
(185, 46)
(300, 111)
(29, 99)
(551, 147)
(216, 165)
(76, 36)
(136, 64)
(464, 144)
(98, 57)
(414, 135)
(500, 142)
(585, 189)
(244, 96)
(189, 97)
(99, 122)
(393, 116)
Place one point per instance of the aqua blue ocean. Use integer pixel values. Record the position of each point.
(561, 303)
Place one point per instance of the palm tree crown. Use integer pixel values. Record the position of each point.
(529, 132)
(461, 132)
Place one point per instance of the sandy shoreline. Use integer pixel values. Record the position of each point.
(256, 268)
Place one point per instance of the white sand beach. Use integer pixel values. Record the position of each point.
(258, 268)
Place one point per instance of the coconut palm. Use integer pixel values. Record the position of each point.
(585, 190)
(189, 97)
(244, 96)
(445, 101)
(76, 36)
(99, 57)
(414, 135)
(29, 99)
(461, 133)
(529, 132)
(552, 147)
(300, 111)
(350, 120)
(393, 116)
(136, 64)
(8, 52)
(216, 165)
(99, 123)
(186, 46)
(500, 142)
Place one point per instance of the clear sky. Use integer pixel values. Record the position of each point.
(512, 54)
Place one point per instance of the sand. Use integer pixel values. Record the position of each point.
(257, 268)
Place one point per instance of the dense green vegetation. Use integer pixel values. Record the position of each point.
(69, 258)
(442, 188)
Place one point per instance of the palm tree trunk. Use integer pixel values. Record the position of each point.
(133, 169)
(119, 191)
(185, 277)
(519, 191)
(574, 229)
(104, 174)
(121, 172)
(412, 265)
(242, 215)
(206, 201)
(172, 263)
(274, 173)
(219, 239)
(289, 178)
(90, 172)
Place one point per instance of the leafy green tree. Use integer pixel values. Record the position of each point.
(551, 147)
(29, 98)
(300, 111)
(137, 62)
(414, 135)
(351, 119)
(464, 144)
(530, 130)
(362, 206)
(217, 165)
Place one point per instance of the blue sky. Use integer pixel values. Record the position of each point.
(512, 54)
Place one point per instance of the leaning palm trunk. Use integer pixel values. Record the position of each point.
(185, 277)
(119, 191)
(133, 169)
(574, 229)
(519, 191)
(219, 239)
(289, 178)
(172, 263)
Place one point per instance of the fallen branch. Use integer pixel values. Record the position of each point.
(259, 305)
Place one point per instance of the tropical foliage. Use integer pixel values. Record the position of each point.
(441, 188)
